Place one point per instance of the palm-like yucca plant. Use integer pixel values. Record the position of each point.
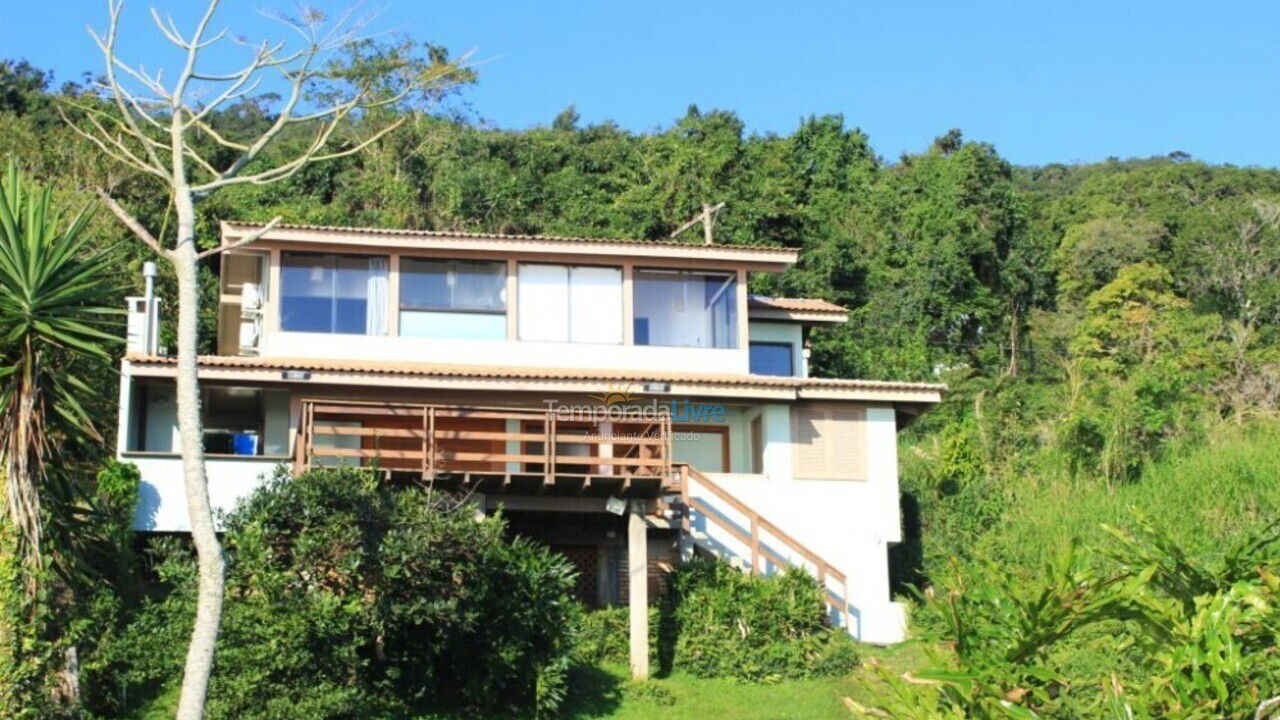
(54, 310)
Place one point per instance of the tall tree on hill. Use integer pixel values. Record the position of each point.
(164, 131)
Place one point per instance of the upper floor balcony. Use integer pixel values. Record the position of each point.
(472, 299)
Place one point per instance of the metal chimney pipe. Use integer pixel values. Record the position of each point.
(149, 334)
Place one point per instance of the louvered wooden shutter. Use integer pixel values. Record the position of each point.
(829, 442)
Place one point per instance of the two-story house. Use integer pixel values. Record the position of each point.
(627, 402)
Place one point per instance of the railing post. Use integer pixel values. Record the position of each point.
(299, 442)
(308, 419)
(844, 606)
(426, 442)
(549, 426)
(433, 459)
(666, 444)
(755, 544)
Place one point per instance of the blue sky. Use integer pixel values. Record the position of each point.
(1042, 81)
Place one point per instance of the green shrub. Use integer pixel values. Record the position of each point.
(349, 598)
(603, 636)
(1171, 635)
(730, 624)
(720, 622)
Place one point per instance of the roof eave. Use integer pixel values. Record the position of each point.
(750, 387)
(761, 259)
(797, 316)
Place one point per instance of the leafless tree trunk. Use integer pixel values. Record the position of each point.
(151, 130)
(1015, 335)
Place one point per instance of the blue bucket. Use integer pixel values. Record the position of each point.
(244, 444)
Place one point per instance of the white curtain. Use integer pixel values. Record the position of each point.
(543, 309)
(595, 305)
(376, 315)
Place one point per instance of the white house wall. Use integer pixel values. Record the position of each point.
(162, 502)
(848, 522)
(503, 352)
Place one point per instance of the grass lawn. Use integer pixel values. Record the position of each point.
(606, 693)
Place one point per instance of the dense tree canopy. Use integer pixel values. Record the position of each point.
(944, 256)
(1092, 321)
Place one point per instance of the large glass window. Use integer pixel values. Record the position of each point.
(235, 420)
(455, 299)
(562, 303)
(686, 308)
(770, 358)
(245, 420)
(333, 294)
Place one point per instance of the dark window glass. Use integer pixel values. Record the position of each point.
(683, 308)
(463, 285)
(333, 293)
(771, 359)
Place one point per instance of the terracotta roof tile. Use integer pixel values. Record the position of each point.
(404, 232)
(535, 373)
(795, 304)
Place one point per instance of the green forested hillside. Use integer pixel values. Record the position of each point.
(1108, 331)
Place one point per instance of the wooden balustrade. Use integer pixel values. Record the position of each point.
(441, 440)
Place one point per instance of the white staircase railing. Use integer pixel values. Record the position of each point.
(757, 536)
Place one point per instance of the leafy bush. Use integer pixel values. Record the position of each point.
(346, 597)
(602, 636)
(1189, 637)
(730, 624)
(720, 622)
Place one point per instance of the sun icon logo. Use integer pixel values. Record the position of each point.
(615, 395)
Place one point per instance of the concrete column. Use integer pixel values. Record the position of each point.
(638, 582)
(124, 418)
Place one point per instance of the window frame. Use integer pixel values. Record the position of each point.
(735, 321)
(402, 307)
(283, 295)
(791, 355)
(622, 298)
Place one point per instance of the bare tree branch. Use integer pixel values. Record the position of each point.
(193, 49)
(311, 155)
(125, 158)
(245, 240)
(132, 223)
(108, 49)
(211, 132)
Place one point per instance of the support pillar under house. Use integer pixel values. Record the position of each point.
(638, 584)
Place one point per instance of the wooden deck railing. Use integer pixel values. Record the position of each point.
(752, 536)
(440, 439)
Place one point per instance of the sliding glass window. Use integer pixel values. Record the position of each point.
(325, 293)
(454, 299)
(570, 303)
(686, 308)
